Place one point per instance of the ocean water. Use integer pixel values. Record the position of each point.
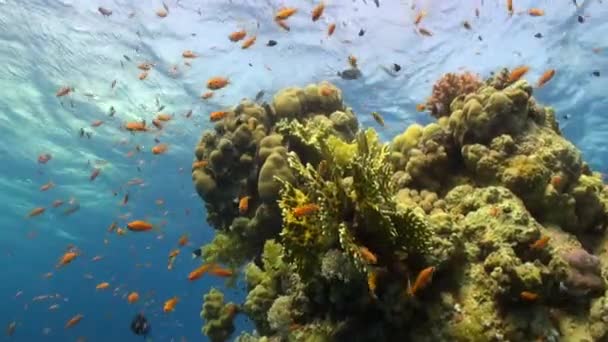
(46, 45)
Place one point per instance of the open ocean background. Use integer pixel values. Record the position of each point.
(45, 45)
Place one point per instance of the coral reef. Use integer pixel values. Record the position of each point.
(485, 225)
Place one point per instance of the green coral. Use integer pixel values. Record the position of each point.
(218, 316)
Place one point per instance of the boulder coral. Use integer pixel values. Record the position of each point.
(485, 225)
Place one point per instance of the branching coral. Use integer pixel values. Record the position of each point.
(218, 316)
(448, 88)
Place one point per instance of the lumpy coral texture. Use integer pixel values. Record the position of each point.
(485, 225)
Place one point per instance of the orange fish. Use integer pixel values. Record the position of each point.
(330, 29)
(285, 13)
(96, 123)
(161, 13)
(248, 42)
(327, 91)
(517, 73)
(217, 82)
(421, 107)
(102, 286)
(74, 320)
(163, 117)
(136, 126)
(183, 240)
(536, 12)
(317, 12)
(424, 278)
(217, 115)
(528, 296)
(160, 149)
(221, 272)
(170, 304)
(36, 212)
(189, 54)
(540, 243)
(200, 271)
(305, 210)
(546, 77)
(143, 75)
(133, 297)
(199, 164)
(57, 203)
(139, 226)
(120, 231)
(368, 256)
(207, 95)
(243, 205)
(419, 17)
(145, 66)
(112, 227)
(352, 60)
(174, 253)
(47, 186)
(237, 35)
(67, 258)
(63, 91)
(510, 7)
(283, 25)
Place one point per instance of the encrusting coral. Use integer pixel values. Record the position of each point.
(485, 225)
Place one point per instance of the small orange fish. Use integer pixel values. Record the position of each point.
(36, 212)
(248, 42)
(183, 240)
(243, 205)
(112, 227)
(159, 201)
(285, 13)
(425, 32)
(163, 117)
(352, 60)
(161, 13)
(160, 149)
(63, 91)
(200, 271)
(217, 82)
(221, 272)
(96, 123)
(74, 320)
(47, 186)
(199, 164)
(120, 231)
(136, 126)
(217, 115)
(510, 7)
(67, 258)
(305, 210)
(102, 286)
(540, 243)
(143, 75)
(237, 35)
(207, 95)
(189, 54)
(517, 73)
(57, 203)
(283, 25)
(139, 226)
(133, 297)
(317, 12)
(422, 280)
(368, 256)
(174, 253)
(145, 66)
(536, 12)
(330, 29)
(170, 304)
(528, 296)
(421, 107)
(419, 17)
(546, 77)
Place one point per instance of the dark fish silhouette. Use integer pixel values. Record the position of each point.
(271, 43)
(140, 325)
(350, 74)
(104, 11)
(259, 95)
(361, 32)
(196, 253)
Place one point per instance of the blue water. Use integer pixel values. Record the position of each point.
(45, 45)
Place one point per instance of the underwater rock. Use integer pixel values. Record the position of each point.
(584, 275)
